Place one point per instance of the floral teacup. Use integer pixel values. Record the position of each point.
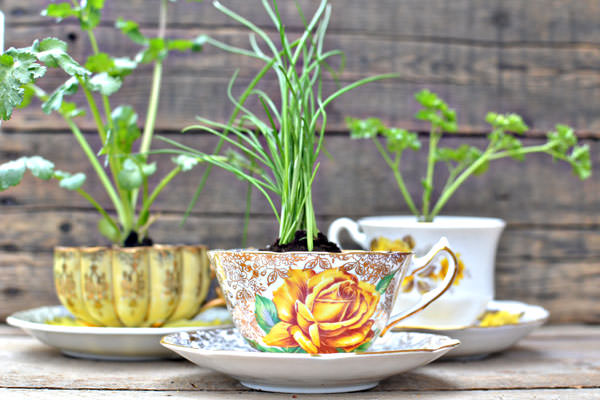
(317, 302)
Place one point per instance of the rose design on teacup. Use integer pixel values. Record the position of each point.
(326, 312)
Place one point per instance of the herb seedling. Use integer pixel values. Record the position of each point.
(464, 161)
(279, 157)
(102, 75)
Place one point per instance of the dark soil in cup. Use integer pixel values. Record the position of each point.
(321, 243)
(133, 241)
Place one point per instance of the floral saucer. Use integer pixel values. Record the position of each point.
(516, 321)
(226, 351)
(56, 327)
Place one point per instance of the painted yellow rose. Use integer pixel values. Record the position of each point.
(323, 312)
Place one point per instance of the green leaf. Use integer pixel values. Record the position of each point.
(580, 161)
(400, 139)
(156, 51)
(185, 162)
(53, 53)
(364, 128)
(100, 62)
(562, 138)
(71, 110)
(11, 173)
(149, 169)
(509, 122)
(40, 167)
(60, 11)
(185, 45)
(131, 176)
(428, 99)
(265, 313)
(132, 30)
(104, 83)
(70, 182)
(28, 95)
(123, 66)
(124, 133)
(108, 230)
(55, 100)
(91, 14)
(383, 284)
(17, 68)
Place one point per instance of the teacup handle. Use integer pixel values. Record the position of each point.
(353, 229)
(429, 297)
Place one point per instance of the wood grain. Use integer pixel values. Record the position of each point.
(498, 21)
(356, 182)
(550, 394)
(537, 362)
(549, 80)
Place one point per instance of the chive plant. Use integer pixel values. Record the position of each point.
(125, 172)
(463, 161)
(277, 152)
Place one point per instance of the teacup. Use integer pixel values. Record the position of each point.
(132, 287)
(474, 241)
(318, 302)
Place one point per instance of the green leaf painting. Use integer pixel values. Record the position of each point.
(383, 284)
(265, 313)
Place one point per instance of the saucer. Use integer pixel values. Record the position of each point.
(105, 343)
(479, 341)
(226, 351)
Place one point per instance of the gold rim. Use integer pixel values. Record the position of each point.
(304, 355)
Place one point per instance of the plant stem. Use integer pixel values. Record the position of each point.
(163, 183)
(100, 172)
(522, 151)
(94, 108)
(434, 138)
(395, 166)
(98, 207)
(154, 94)
(459, 181)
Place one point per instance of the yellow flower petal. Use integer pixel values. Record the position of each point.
(294, 288)
(304, 317)
(351, 338)
(303, 340)
(313, 332)
(330, 310)
(280, 336)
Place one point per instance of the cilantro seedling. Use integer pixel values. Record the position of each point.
(126, 168)
(463, 161)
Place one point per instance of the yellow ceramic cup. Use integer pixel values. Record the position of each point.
(134, 287)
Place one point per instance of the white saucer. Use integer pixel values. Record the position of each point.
(478, 342)
(121, 344)
(226, 351)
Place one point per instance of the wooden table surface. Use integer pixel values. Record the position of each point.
(555, 362)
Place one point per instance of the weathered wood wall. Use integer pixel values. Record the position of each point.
(540, 58)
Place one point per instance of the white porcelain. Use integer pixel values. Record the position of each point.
(226, 351)
(474, 239)
(101, 343)
(477, 341)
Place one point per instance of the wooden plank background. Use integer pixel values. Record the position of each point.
(539, 58)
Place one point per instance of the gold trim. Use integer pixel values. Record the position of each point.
(344, 252)
(426, 329)
(317, 355)
(450, 282)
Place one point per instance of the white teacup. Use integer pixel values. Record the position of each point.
(475, 241)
